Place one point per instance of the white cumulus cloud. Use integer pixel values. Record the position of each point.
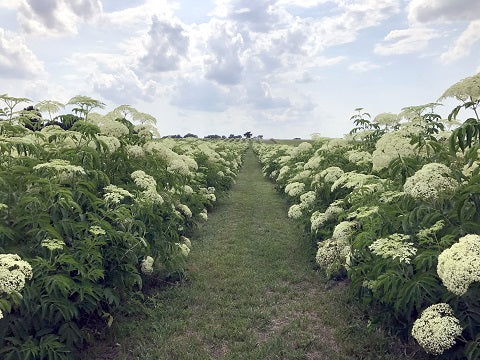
(56, 17)
(17, 61)
(405, 41)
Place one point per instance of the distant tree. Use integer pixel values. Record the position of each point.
(213, 137)
(248, 134)
(190, 135)
(31, 118)
(231, 136)
(260, 136)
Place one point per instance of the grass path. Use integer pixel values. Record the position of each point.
(252, 293)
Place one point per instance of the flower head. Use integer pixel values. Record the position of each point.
(13, 272)
(431, 182)
(437, 328)
(53, 244)
(394, 246)
(147, 266)
(459, 266)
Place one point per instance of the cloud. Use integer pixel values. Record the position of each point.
(261, 97)
(56, 17)
(167, 43)
(463, 44)
(112, 76)
(223, 51)
(202, 95)
(363, 66)
(405, 41)
(425, 11)
(17, 61)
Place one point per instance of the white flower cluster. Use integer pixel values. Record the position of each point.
(53, 244)
(459, 265)
(185, 210)
(135, 151)
(147, 266)
(431, 231)
(61, 166)
(331, 254)
(115, 194)
(295, 211)
(344, 230)
(437, 328)
(387, 119)
(318, 218)
(187, 189)
(363, 212)
(307, 199)
(148, 183)
(352, 180)
(111, 142)
(96, 230)
(431, 182)
(294, 188)
(464, 90)
(13, 272)
(184, 249)
(186, 241)
(313, 163)
(331, 174)
(359, 157)
(394, 246)
(391, 146)
(203, 215)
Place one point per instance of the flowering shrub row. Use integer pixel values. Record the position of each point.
(90, 213)
(395, 207)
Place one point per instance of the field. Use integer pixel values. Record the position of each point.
(117, 244)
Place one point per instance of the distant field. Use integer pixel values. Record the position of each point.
(285, 141)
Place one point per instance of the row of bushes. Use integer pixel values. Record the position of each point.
(88, 214)
(395, 207)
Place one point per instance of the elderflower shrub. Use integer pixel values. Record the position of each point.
(391, 146)
(184, 249)
(185, 210)
(295, 211)
(62, 167)
(363, 212)
(331, 174)
(134, 151)
(359, 157)
(203, 215)
(394, 246)
(431, 182)
(115, 194)
(313, 163)
(387, 119)
(13, 273)
(437, 328)
(352, 180)
(294, 189)
(318, 219)
(53, 244)
(307, 199)
(331, 255)
(464, 90)
(344, 230)
(144, 181)
(146, 266)
(459, 265)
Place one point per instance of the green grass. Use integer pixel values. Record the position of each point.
(251, 293)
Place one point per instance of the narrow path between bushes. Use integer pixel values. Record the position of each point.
(252, 293)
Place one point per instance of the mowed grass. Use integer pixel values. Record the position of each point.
(251, 293)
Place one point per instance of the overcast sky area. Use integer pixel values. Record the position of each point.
(280, 68)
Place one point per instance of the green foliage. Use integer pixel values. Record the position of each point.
(98, 267)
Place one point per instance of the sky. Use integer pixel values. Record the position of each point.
(279, 68)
